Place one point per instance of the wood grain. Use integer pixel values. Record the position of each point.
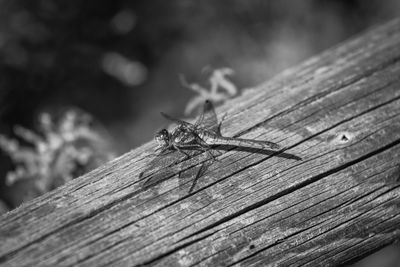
(339, 112)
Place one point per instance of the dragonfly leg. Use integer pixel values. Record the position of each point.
(220, 124)
(200, 173)
(146, 183)
(165, 151)
(211, 154)
(181, 151)
(206, 148)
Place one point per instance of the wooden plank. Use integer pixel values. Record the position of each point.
(339, 112)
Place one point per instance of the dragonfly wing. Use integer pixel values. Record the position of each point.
(159, 162)
(160, 176)
(163, 167)
(208, 119)
(197, 172)
(178, 121)
(200, 172)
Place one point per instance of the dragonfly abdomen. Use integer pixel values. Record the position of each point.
(240, 142)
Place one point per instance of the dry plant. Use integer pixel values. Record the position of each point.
(220, 90)
(62, 149)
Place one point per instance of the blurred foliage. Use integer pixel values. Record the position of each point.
(85, 52)
(64, 148)
(221, 89)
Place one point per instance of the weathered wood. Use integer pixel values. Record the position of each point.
(339, 112)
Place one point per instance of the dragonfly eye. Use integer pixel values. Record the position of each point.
(162, 138)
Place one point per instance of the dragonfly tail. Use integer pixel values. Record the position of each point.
(240, 142)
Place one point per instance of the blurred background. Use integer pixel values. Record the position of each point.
(119, 60)
(83, 81)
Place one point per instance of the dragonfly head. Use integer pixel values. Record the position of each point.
(162, 138)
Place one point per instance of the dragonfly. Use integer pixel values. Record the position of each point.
(202, 136)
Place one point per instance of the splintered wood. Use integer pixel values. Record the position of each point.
(331, 196)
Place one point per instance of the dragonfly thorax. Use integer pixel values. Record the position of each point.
(162, 138)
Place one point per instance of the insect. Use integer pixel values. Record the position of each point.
(204, 135)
